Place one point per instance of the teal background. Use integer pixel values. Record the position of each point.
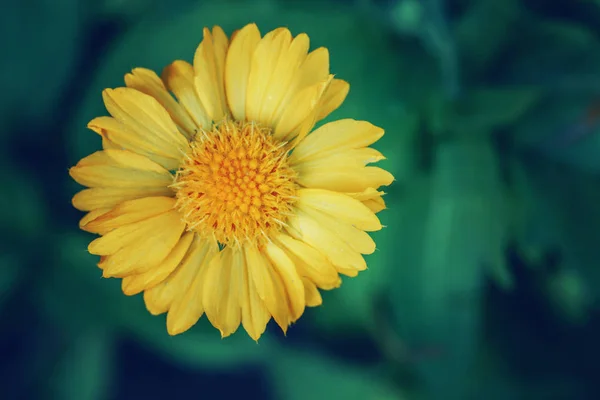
(484, 284)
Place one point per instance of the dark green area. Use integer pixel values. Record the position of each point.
(484, 284)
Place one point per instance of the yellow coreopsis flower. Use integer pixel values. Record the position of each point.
(211, 196)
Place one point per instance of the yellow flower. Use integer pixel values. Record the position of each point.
(211, 197)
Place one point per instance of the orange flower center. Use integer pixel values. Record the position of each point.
(235, 185)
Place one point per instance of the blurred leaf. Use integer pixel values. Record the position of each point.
(493, 379)
(79, 297)
(562, 208)
(56, 37)
(570, 296)
(564, 128)
(87, 368)
(22, 210)
(417, 72)
(575, 50)
(438, 295)
(126, 8)
(435, 37)
(408, 233)
(300, 375)
(407, 15)
(483, 31)
(482, 110)
(577, 145)
(551, 119)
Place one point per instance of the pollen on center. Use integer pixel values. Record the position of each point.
(235, 185)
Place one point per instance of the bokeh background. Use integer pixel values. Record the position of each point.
(484, 284)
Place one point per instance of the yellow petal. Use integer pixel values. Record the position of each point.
(286, 269)
(336, 172)
(264, 63)
(187, 306)
(310, 263)
(337, 251)
(222, 290)
(137, 247)
(126, 138)
(148, 119)
(134, 284)
(313, 70)
(298, 110)
(129, 212)
(336, 136)
(311, 293)
(357, 239)
(211, 289)
(101, 262)
(377, 204)
(333, 97)
(237, 69)
(91, 199)
(348, 271)
(339, 206)
(146, 81)
(209, 69)
(90, 216)
(367, 194)
(109, 144)
(230, 310)
(354, 158)
(371, 198)
(122, 158)
(119, 168)
(291, 56)
(160, 298)
(269, 286)
(309, 122)
(134, 161)
(179, 78)
(255, 315)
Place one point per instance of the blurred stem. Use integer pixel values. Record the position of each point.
(461, 234)
(436, 35)
(85, 372)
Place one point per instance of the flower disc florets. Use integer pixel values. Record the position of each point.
(235, 184)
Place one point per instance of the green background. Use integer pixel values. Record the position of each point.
(484, 284)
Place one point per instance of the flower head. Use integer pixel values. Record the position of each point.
(212, 195)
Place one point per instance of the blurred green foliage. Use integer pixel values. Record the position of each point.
(490, 112)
